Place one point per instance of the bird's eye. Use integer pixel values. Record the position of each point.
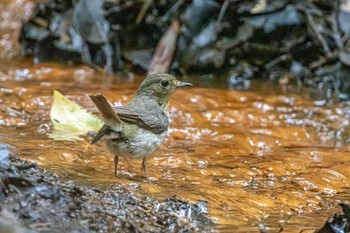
(164, 83)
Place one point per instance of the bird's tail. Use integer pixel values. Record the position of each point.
(111, 119)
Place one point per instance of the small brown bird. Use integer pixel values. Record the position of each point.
(137, 129)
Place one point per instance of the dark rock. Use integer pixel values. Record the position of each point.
(340, 223)
(53, 205)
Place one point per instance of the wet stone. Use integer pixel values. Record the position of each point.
(53, 204)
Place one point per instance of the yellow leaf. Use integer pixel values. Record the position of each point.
(70, 121)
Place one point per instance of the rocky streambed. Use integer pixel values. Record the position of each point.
(35, 200)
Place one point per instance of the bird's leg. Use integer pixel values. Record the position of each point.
(115, 165)
(144, 169)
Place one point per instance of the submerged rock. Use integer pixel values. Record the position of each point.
(340, 223)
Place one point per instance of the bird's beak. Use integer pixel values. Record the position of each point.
(184, 84)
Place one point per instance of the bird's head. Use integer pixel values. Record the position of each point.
(160, 86)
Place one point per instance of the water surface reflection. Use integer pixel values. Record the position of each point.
(255, 156)
(266, 155)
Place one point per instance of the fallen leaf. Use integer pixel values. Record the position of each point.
(70, 121)
(165, 49)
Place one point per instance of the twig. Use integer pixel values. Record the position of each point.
(3, 187)
(319, 36)
(336, 15)
(15, 189)
(277, 60)
(223, 11)
(40, 225)
(324, 60)
(143, 11)
(107, 212)
(335, 31)
(172, 10)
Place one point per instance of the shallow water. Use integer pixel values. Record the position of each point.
(271, 155)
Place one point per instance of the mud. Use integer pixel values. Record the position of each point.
(43, 202)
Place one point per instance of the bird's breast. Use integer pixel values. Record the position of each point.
(138, 143)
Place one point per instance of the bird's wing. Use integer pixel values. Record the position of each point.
(155, 121)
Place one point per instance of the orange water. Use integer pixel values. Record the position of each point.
(268, 155)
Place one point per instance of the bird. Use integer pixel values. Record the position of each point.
(137, 129)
